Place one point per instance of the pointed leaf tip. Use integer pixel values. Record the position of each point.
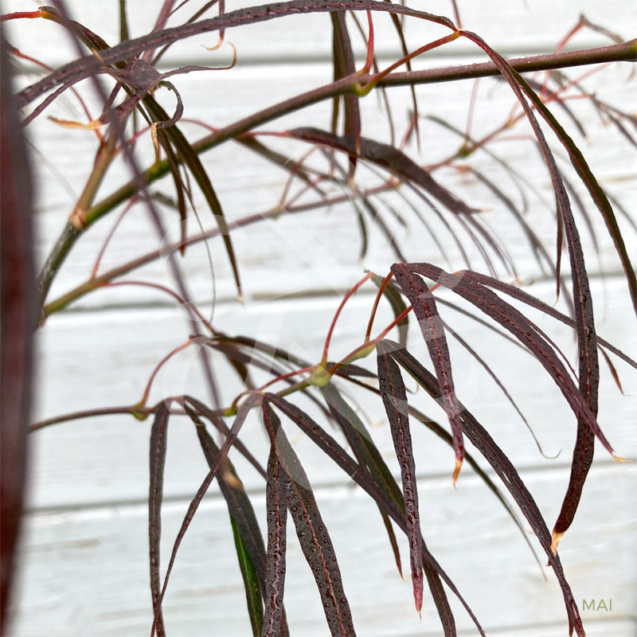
(556, 538)
(418, 598)
(456, 471)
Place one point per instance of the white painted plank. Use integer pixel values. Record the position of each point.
(99, 359)
(594, 628)
(508, 26)
(86, 572)
(91, 360)
(280, 256)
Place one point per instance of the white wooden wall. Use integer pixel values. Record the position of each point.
(84, 553)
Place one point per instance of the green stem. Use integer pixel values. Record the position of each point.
(77, 223)
(626, 52)
(123, 22)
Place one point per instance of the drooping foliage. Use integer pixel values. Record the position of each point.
(338, 162)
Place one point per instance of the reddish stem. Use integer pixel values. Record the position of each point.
(401, 316)
(22, 14)
(293, 173)
(456, 14)
(578, 27)
(374, 79)
(162, 362)
(381, 289)
(284, 376)
(100, 254)
(338, 311)
(311, 185)
(395, 322)
(369, 62)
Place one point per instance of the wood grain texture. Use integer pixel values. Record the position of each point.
(85, 572)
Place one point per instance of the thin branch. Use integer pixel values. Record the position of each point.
(99, 281)
(619, 52)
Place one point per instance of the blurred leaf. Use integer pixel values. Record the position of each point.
(363, 227)
(377, 218)
(123, 22)
(613, 370)
(392, 541)
(18, 320)
(622, 209)
(405, 51)
(279, 159)
(179, 189)
(192, 161)
(436, 239)
(454, 236)
(536, 245)
(517, 178)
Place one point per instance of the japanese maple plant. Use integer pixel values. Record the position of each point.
(338, 163)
